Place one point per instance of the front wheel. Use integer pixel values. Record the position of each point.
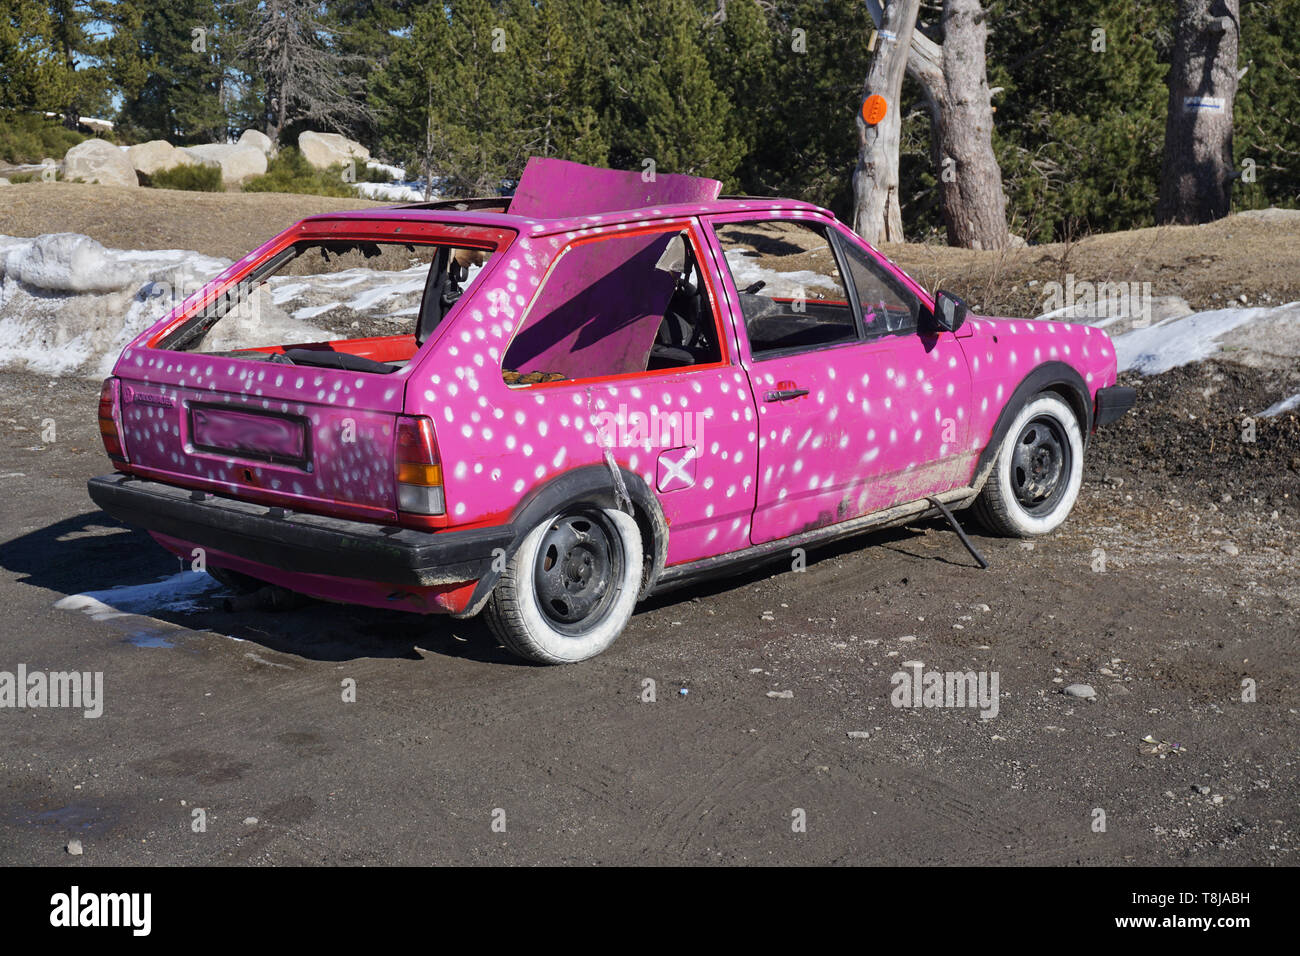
(1037, 473)
(569, 590)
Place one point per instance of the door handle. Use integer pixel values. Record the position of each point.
(784, 394)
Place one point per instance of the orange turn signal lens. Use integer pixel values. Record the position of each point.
(414, 473)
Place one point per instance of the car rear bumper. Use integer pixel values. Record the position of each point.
(1112, 403)
(302, 543)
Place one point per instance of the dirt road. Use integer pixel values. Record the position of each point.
(1161, 593)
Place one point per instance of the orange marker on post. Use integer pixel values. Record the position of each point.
(874, 109)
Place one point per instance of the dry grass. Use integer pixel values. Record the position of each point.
(216, 224)
(1206, 265)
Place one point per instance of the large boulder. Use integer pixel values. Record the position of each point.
(323, 150)
(95, 161)
(158, 155)
(257, 140)
(237, 162)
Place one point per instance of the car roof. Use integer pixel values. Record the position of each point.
(554, 195)
(535, 226)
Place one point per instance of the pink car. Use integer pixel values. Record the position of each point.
(602, 386)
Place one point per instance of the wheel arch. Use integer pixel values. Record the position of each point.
(1057, 377)
(589, 484)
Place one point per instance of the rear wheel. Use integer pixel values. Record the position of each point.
(1038, 471)
(570, 588)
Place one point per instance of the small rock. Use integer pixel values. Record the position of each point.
(859, 734)
(1217, 799)
(74, 848)
(1080, 690)
(983, 608)
(781, 694)
(1202, 789)
(1026, 546)
(250, 821)
(1229, 548)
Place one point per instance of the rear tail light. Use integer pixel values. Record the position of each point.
(419, 471)
(110, 420)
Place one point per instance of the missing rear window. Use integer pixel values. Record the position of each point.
(376, 301)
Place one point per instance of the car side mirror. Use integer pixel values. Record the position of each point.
(949, 312)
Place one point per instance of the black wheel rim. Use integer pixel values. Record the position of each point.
(576, 571)
(1041, 465)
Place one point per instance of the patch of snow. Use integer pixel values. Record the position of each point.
(178, 592)
(390, 192)
(1193, 338)
(64, 262)
(311, 311)
(282, 291)
(1277, 408)
(745, 272)
(396, 173)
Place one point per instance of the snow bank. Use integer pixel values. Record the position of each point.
(390, 192)
(64, 262)
(1256, 336)
(68, 306)
(745, 272)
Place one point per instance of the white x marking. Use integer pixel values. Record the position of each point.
(677, 469)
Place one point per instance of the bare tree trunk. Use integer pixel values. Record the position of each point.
(956, 86)
(428, 142)
(1196, 176)
(955, 82)
(877, 216)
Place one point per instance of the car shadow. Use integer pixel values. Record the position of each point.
(900, 540)
(92, 553)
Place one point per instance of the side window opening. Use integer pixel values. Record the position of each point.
(888, 307)
(792, 295)
(615, 306)
(361, 305)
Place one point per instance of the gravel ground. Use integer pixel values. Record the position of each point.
(1177, 578)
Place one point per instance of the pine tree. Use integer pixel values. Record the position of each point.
(663, 102)
(293, 49)
(450, 97)
(1267, 141)
(165, 57)
(367, 32)
(561, 91)
(1079, 125)
(48, 59)
(31, 64)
